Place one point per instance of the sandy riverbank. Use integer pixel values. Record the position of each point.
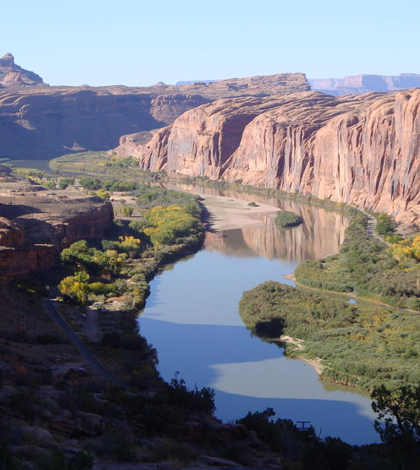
(316, 363)
(228, 213)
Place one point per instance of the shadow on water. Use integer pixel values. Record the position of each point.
(192, 318)
(329, 418)
(226, 357)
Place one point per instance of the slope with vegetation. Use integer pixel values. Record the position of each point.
(388, 272)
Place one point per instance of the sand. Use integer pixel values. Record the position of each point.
(228, 213)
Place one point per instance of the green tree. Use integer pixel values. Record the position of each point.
(126, 211)
(398, 422)
(76, 287)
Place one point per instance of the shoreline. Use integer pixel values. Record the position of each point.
(315, 363)
(228, 213)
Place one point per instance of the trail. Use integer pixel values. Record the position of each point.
(90, 358)
(371, 226)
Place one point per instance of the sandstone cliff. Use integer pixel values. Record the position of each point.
(45, 122)
(12, 75)
(358, 149)
(35, 223)
(49, 122)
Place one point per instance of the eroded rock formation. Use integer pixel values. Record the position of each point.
(35, 223)
(358, 149)
(49, 122)
(12, 75)
(41, 122)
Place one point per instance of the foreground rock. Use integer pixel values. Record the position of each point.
(358, 149)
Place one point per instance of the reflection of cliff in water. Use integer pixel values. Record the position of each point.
(321, 233)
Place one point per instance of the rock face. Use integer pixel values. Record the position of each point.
(12, 75)
(45, 122)
(49, 122)
(35, 223)
(365, 83)
(358, 149)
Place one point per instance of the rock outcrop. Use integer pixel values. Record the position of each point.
(41, 122)
(365, 83)
(49, 122)
(358, 149)
(35, 223)
(12, 75)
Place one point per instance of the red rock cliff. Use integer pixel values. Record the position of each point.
(358, 149)
(35, 223)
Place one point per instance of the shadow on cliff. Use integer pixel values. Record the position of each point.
(11, 211)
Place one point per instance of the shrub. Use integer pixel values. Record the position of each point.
(288, 219)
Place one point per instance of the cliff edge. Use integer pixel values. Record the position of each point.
(358, 149)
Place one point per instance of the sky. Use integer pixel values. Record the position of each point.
(140, 42)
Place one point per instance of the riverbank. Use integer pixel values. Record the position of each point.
(315, 363)
(227, 213)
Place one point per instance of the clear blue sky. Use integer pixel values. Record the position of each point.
(139, 42)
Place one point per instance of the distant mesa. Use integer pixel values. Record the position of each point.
(356, 84)
(192, 82)
(14, 76)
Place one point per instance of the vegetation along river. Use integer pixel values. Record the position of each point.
(192, 319)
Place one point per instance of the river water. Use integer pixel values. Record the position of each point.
(192, 319)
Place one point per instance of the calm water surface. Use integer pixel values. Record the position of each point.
(192, 318)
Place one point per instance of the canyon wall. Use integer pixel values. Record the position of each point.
(51, 121)
(42, 122)
(35, 223)
(357, 149)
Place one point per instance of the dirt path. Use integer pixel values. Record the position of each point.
(371, 227)
(90, 358)
(92, 331)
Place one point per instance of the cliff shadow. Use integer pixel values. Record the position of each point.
(251, 375)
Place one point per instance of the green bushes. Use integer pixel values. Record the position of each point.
(288, 219)
(368, 267)
(149, 197)
(360, 345)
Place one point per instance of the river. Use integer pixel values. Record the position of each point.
(192, 319)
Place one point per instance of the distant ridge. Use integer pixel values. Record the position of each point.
(356, 84)
(190, 82)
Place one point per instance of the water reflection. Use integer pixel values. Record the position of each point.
(192, 319)
(321, 233)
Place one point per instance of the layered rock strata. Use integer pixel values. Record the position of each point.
(13, 76)
(35, 224)
(357, 149)
(49, 122)
(42, 122)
